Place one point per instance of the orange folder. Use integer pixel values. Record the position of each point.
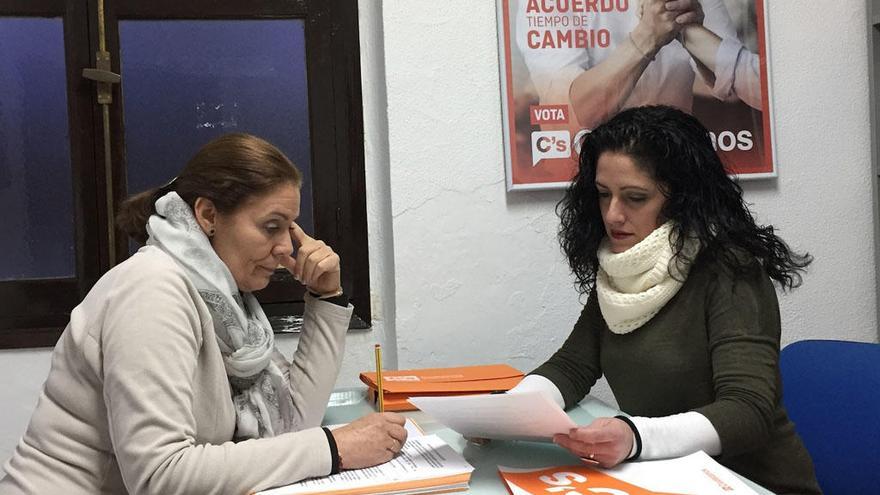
(569, 479)
(399, 385)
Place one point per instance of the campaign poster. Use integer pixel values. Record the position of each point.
(569, 65)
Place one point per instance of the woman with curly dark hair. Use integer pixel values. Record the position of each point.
(681, 315)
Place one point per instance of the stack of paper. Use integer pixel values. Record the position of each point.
(522, 416)
(425, 464)
(695, 474)
(398, 386)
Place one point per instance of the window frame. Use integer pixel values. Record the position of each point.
(35, 311)
(337, 152)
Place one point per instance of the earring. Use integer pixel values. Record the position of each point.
(211, 232)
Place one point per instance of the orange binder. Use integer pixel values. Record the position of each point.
(399, 385)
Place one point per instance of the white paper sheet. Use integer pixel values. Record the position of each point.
(696, 473)
(422, 457)
(522, 416)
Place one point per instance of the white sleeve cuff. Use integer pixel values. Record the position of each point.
(532, 383)
(677, 435)
(747, 80)
(725, 67)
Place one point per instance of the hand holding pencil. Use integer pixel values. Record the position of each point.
(371, 440)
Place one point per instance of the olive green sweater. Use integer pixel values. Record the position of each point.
(714, 349)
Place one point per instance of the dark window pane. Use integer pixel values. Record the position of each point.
(36, 192)
(186, 82)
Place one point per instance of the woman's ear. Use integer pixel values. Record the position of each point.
(206, 214)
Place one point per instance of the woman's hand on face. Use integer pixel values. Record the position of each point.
(316, 264)
(606, 440)
(370, 440)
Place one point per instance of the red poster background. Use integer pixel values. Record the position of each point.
(527, 170)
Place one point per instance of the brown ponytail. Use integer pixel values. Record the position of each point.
(229, 170)
(133, 213)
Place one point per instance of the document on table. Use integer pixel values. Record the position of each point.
(425, 464)
(521, 416)
(413, 430)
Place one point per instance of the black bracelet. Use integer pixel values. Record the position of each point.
(638, 437)
(334, 451)
(340, 300)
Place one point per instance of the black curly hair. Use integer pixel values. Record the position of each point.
(704, 202)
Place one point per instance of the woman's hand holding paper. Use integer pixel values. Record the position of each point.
(607, 441)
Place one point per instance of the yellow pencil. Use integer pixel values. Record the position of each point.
(379, 393)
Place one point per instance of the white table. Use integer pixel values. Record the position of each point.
(348, 405)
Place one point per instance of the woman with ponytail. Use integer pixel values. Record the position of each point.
(167, 379)
(681, 315)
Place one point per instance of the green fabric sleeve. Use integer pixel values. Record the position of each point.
(575, 367)
(743, 328)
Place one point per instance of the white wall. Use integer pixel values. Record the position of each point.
(463, 272)
(23, 372)
(479, 276)
(822, 201)
(478, 272)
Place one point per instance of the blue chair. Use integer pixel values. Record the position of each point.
(831, 390)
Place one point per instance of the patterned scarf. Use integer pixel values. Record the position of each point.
(260, 392)
(634, 285)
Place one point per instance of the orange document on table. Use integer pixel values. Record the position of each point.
(694, 474)
(399, 385)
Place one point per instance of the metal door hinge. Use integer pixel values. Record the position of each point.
(103, 76)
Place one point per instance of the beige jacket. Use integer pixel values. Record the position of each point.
(137, 399)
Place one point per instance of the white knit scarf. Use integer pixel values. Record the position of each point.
(263, 404)
(634, 285)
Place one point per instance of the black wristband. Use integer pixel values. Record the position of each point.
(334, 451)
(638, 438)
(340, 300)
